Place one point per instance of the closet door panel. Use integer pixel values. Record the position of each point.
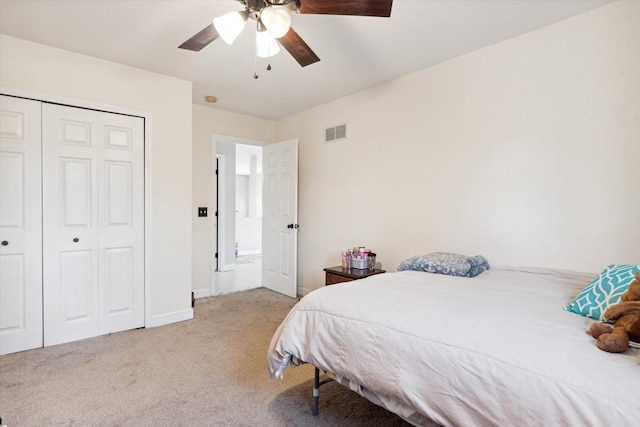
(119, 281)
(12, 189)
(118, 194)
(20, 225)
(12, 293)
(75, 193)
(121, 218)
(70, 201)
(76, 286)
(76, 293)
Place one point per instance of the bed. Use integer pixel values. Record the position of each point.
(496, 349)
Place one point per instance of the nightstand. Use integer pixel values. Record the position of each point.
(339, 274)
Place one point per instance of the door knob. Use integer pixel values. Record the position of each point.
(5, 243)
(289, 225)
(76, 240)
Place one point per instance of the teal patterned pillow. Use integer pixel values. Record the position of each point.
(603, 291)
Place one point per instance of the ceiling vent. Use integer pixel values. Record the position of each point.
(335, 133)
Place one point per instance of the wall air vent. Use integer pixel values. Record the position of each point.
(335, 133)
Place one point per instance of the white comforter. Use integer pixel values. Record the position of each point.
(497, 349)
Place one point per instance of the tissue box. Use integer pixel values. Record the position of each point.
(360, 264)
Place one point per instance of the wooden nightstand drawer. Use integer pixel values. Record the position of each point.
(338, 274)
(332, 279)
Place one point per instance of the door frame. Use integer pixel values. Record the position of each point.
(220, 222)
(219, 237)
(148, 120)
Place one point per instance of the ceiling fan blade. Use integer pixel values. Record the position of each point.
(297, 47)
(200, 40)
(380, 8)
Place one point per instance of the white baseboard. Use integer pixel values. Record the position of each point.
(168, 318)
(303, 291)
(202, 293)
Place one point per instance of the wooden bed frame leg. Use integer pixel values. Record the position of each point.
(316, 391)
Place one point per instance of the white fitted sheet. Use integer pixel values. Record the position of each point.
(497, 349)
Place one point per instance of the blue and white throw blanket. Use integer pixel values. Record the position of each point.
(446, 263)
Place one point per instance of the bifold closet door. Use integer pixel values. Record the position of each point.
(93, 223)
(20, 225)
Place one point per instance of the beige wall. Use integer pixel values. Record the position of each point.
(53, 72)
(523, 151)
(208, 122)
(526, 152)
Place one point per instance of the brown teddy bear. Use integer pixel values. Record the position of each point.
(626, 315)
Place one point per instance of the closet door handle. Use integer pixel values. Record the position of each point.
(76, 240)
(5, 243)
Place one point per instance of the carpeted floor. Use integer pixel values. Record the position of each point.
(210, 371)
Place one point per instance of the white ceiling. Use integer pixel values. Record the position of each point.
(355, 52)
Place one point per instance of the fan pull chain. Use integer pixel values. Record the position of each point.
(255, 64)
(269, 64)
(255, 67)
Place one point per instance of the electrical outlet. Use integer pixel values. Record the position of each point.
(202, 211)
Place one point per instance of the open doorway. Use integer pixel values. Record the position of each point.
(238, 237)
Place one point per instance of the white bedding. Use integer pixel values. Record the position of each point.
(497, 349)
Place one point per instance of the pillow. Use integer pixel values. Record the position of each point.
(446, 263)
(603, 291)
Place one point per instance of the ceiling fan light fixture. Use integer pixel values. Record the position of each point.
(277, 20)
(230, 25)
(266, 45)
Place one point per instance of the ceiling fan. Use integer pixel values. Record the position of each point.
(274, 22)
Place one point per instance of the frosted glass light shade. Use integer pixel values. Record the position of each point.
(229, 26)
(266, 45)
(276, 20)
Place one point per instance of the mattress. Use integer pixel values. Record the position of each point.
(497, 349)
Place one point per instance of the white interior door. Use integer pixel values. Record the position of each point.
(280, 217)
(93, 195)
(20, 225)
(121, 222)
(70, 201)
